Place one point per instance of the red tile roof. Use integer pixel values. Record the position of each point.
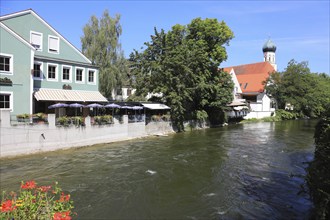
(251, 76)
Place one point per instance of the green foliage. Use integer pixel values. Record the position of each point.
(77, 120)
(182, 64)
(40, 115)
(100, 44)
(318, 177)
(136, 98)
(286, 115)
(307, 92)
(23, 116)
(279, 116)
(64, 120)
(103, 119)
(201, 115)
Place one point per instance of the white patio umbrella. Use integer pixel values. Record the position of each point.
(94, 105)
(76, 105)
(136, 108)
(113, 106)
(58, 105)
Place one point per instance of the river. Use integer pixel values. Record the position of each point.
(245, 171)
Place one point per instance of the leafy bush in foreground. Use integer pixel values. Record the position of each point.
(318, 177)
(36, 202)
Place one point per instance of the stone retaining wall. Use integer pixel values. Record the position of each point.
(27, 139)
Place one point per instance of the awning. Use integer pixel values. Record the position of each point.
(236, 103)
(63, 95)
(239, 108)
(155, 106)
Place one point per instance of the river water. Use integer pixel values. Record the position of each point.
(246, 171)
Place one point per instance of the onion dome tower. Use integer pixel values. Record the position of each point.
(269, 49)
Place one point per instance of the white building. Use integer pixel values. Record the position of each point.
(249, 84)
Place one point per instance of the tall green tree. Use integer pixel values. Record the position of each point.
(100, 44)
(309, 93)
(183, 65)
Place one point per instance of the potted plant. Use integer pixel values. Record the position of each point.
(23, 117)
(64, 121)
(40, 117)
(6, 81)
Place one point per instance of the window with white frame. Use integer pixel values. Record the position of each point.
(91, 76)
(52, 72)
(6, 63)
(6, 100)
(53, 44)
(37, 70)
(36, 40)
(80, 76)
(66, 73)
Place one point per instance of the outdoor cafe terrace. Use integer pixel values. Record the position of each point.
(67, 114)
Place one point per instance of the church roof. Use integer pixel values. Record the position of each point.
(251, 76)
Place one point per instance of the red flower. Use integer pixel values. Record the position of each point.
(7, 206)
(62, 216)
(64, 198)
(44, 188)
(29, 185)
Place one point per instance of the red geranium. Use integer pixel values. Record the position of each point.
(64, 198)
(44, 188)
(7, 206)
(29, 185)
(62, 216)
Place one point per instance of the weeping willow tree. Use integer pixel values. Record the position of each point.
(101, 45)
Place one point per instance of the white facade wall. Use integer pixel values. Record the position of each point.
(258, 115)
(261, 108)
(255, 107)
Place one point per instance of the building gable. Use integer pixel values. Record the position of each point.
(252, 76)
(237, 88)
(29, 25)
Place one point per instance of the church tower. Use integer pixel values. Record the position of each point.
(269, 49)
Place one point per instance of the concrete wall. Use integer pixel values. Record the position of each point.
(28, 139)
(158, 128)
(260, 114)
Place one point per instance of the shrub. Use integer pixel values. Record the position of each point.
(286, 115)
(166, 117)
(318, 177)
(155, 118)
(201, 115)
(23, 116)
(77, 120)
(104, 119)
(40, 115)
(63, 121)
(36, 202)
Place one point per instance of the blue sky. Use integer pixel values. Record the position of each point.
(300, 29)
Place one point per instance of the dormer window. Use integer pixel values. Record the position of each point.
(36, 40)
(53, 44)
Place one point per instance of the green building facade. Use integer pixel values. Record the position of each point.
(39, 67)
